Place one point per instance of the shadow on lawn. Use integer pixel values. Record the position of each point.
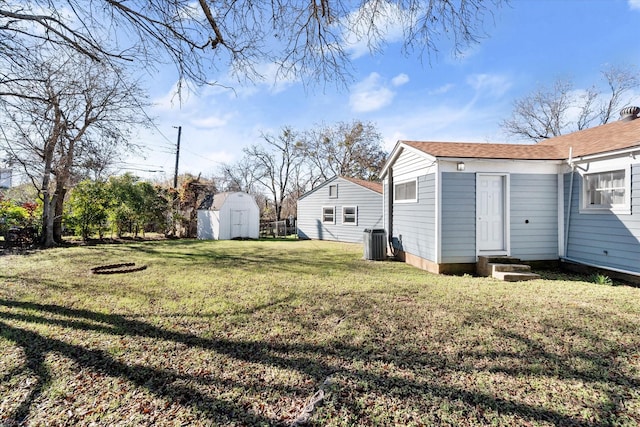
(261, 256)
(315, 361)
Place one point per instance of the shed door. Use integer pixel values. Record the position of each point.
(490, 209)
(239, 223)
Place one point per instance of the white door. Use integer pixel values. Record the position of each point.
(239, 223)
(490, 209)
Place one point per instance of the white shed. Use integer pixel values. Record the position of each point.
(228, 216)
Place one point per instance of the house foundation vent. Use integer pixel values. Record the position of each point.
(629, 113)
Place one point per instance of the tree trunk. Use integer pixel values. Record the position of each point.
(48, 202)
(47, 220)
(59, 208)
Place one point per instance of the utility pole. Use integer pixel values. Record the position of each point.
(175, 175)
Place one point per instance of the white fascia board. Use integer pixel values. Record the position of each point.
(395, 153)
(391, 159)
(482, 165)
(631, 152)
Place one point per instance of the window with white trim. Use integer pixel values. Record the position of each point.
(333, 191)
(607, 190)
(405, 191)
(329, 215)
(350, 215)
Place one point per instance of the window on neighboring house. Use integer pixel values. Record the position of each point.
(329, 215)
(605, 190)
(405, 191)
(333, 191)
(350, 215)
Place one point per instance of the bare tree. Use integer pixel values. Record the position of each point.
(306, 39)
(274, 164)
(345, 149)
(239, 176)
(57, 116)
(619, 82)
(549, 112)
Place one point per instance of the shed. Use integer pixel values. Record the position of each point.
(340, 209)
(226, 216)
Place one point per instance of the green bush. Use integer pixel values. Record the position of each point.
(12, 215)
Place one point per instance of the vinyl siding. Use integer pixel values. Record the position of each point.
(369, 214)
(409, 165)
(414, 226)
(534, 216)
(458, 217)
(607, 239)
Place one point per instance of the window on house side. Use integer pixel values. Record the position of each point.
(329, 215)
(605, 190)
(350, 215)
(405, 192)
(333, 191)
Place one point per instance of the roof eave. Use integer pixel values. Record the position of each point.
(633, 151)
(397, 150)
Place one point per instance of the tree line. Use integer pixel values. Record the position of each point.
(288, 164)
(70, 100)
(122, 205)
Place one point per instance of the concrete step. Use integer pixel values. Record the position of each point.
(519, 268)
(500, 259)
(483, 266)
(510, 276)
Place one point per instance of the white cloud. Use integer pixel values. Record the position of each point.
(492, 84)
(442, 89)
(634, 4)
(275, 78)
(210, 122)
(180, 96)
(370, 94)
(385, 17)
(400, 80)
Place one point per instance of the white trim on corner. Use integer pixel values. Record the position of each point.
(561, 218)
(438, 214)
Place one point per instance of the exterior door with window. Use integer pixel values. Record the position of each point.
(490, 210)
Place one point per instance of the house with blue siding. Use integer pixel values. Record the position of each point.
(340, 209)
(573, 198)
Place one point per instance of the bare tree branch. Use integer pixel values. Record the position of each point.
(550, 112)
(309, 40)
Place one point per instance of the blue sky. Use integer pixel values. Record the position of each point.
(528, 43)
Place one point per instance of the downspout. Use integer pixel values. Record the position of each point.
(566, 227)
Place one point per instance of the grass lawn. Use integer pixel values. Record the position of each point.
(246, 332)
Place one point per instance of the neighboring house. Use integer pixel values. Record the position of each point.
(340, 209)
(446, 204)
(228, 216)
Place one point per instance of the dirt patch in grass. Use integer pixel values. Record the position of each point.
(245, 333)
